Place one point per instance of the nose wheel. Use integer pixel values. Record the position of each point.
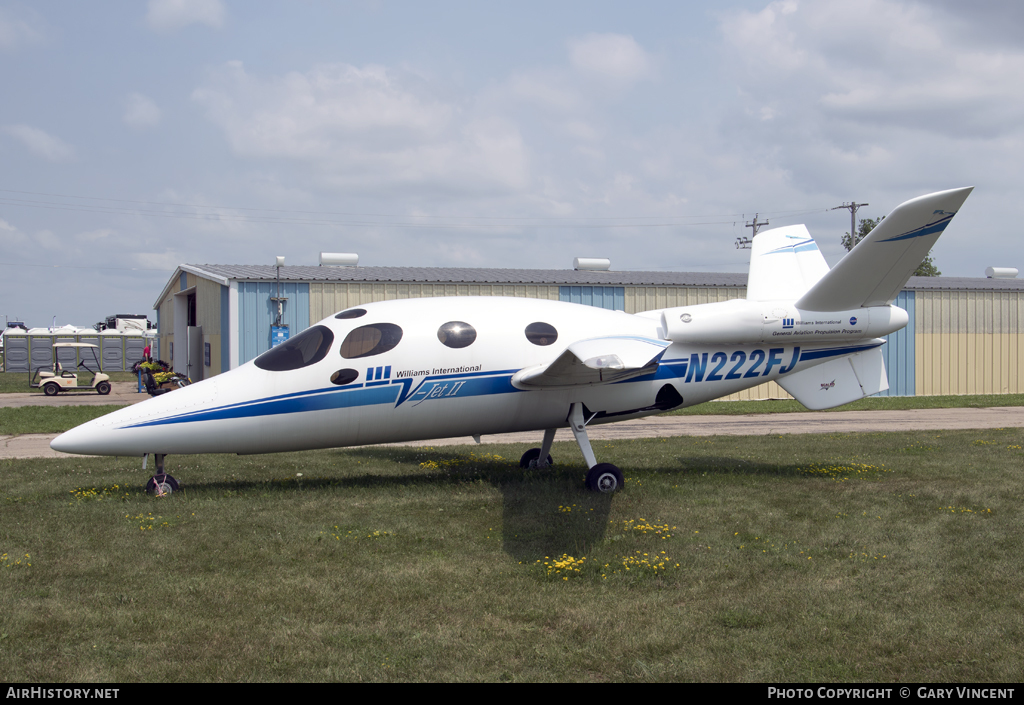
(161, 484)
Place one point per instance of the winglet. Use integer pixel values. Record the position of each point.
(877, 269)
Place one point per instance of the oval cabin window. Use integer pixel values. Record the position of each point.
(456, 334)
(373, 339)
(541, 333)
(308, 347)
(343, 377)
(351, 313)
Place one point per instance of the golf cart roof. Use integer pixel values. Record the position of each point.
(75, 345)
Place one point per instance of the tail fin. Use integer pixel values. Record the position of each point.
(877, 269)
(784, 264)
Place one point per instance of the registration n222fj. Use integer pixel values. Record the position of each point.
(417, 369)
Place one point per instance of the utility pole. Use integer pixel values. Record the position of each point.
(744, 243)
(852, 206)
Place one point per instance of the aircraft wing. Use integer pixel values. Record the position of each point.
(595, 361)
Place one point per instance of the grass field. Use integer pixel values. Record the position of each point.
(870, 557)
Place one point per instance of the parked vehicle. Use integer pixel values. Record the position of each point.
(57, 380)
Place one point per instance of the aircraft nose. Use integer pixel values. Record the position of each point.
(81, 440)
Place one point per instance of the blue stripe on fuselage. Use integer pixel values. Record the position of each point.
(291, 404)
(472, 384)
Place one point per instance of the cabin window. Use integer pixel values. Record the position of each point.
(308, 347)
(352, 313)
(346, 376)
(456, 334)
(373, 339)
(541, 333)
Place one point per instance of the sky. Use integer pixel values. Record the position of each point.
(136, 136)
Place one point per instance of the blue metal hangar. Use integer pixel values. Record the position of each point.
(966, 335)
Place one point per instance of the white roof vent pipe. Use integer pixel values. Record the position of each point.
(338, 259)
(1001, 272)
(592, 264)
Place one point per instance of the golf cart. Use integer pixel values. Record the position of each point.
(60, 380)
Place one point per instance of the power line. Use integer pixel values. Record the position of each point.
(852, 206)
(298, 217)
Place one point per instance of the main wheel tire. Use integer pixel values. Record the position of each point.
(605, 478)
(103, 388)
(530, 458)
(162, 484)
(51, 389)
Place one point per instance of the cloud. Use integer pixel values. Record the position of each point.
(172, 15)
(363, 127)
(614, 57)
(140, 111)
(893, 65)
(41, 143)
(16, 32)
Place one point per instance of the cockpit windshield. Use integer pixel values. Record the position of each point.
(308, 347)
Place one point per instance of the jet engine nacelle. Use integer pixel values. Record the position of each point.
(740, 321)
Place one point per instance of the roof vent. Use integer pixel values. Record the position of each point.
(338, 259)
(1001, 272)
(592, 264)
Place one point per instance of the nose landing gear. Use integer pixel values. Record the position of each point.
(161, 484)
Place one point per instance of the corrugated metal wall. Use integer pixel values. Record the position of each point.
(969, 342)
(612, 298)
(208, 302)
(649, 298)
(898, 352)
(256, 313)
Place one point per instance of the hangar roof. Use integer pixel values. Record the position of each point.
(225, 273)
(464, 275)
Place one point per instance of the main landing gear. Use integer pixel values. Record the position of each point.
(602, 477)
(161, 484)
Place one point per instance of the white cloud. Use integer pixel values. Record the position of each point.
(16, 32)
(41, 143)
(140, 111)
(172, 15)
(894, 65)
(615, 57)
(366, 127)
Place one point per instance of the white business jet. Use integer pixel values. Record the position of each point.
(419, 369)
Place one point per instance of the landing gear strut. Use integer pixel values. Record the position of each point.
(539, 457)
(161, 484)
(601, 477)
